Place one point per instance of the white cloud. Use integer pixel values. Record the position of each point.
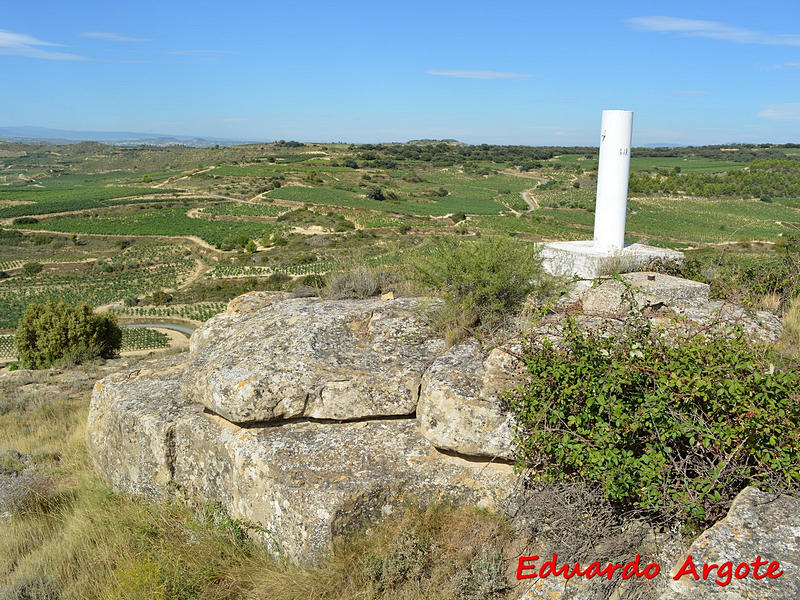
(112, 37)
(466, 74)
(789, 65)
(712, 29)
(20, 44)
(691, 92)
(789, 111)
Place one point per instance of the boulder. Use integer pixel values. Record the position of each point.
(130, 429)
(646, 289)
(757, 524)
(459, 406)
(300, 483)
(282, 358)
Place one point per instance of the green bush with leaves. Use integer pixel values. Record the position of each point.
(58, 332)
(484, 282)
(677, 426)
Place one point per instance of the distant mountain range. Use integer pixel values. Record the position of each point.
(45, 135)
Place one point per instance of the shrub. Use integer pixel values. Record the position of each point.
(375, 193)
(25, 220)
(32, 268)
(54, 332)
(483, 282)
(679, 426)
(358, 282)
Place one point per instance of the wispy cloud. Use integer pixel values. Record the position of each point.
(112, 37)
(466, 74)
(789, 65)
(198, 52)
(690, 92)
(789, 111)
(715, 30)
(20, 44)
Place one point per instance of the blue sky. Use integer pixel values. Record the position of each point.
(481, 72)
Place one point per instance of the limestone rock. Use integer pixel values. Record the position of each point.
(130, 429)
(459, 407)
(758, 324)
(757, 524)
(302, 483)
(238, 309)
(286, 358)
(648, 289)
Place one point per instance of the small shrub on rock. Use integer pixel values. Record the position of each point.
(53, 332)
(677, 426)
(484, 283)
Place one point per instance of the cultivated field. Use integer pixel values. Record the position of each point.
(176, 232)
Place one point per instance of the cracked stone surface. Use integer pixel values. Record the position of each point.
(460, 407)
(302, 483)
(334, 359)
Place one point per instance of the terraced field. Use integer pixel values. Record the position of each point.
(124, 241)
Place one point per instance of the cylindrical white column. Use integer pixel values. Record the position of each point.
(612, 179)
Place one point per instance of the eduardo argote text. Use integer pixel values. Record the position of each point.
(722, 574)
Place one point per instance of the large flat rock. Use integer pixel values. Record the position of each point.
(302, 483)
(344, 359)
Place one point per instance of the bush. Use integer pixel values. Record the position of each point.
(676, 426)
(54, 332)
(375, 193)
(32, 268)
(358, 282)
(483, 282)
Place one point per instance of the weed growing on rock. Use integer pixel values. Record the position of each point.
(483, 282)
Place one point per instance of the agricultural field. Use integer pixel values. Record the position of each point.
(175, 232)
(143, 338)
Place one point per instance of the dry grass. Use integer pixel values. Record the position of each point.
(789, 343)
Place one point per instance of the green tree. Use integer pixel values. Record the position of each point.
(54, 332)
(375, 193)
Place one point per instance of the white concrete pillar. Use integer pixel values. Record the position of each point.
(612, 179)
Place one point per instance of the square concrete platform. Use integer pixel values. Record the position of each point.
(586, 261)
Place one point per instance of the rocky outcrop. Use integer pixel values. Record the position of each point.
(300, 483)
(670, 302)
(757, 525)
(344, 359)
(305, 416)
(460, 407)
(646, 290)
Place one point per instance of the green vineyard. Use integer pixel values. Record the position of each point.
(141, 338)
(7, 349)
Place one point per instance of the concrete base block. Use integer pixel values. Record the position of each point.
(586, 261)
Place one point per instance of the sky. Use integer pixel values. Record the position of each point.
(529, 72)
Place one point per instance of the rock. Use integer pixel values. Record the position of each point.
(459, 407)
(757, 524)
(758, 324)
(237, 310)
(662, 290)
(130, 429)
(301, 483)
(327, 359)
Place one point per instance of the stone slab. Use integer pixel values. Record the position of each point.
(584, 260)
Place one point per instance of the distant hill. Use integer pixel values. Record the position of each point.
(45, 135)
